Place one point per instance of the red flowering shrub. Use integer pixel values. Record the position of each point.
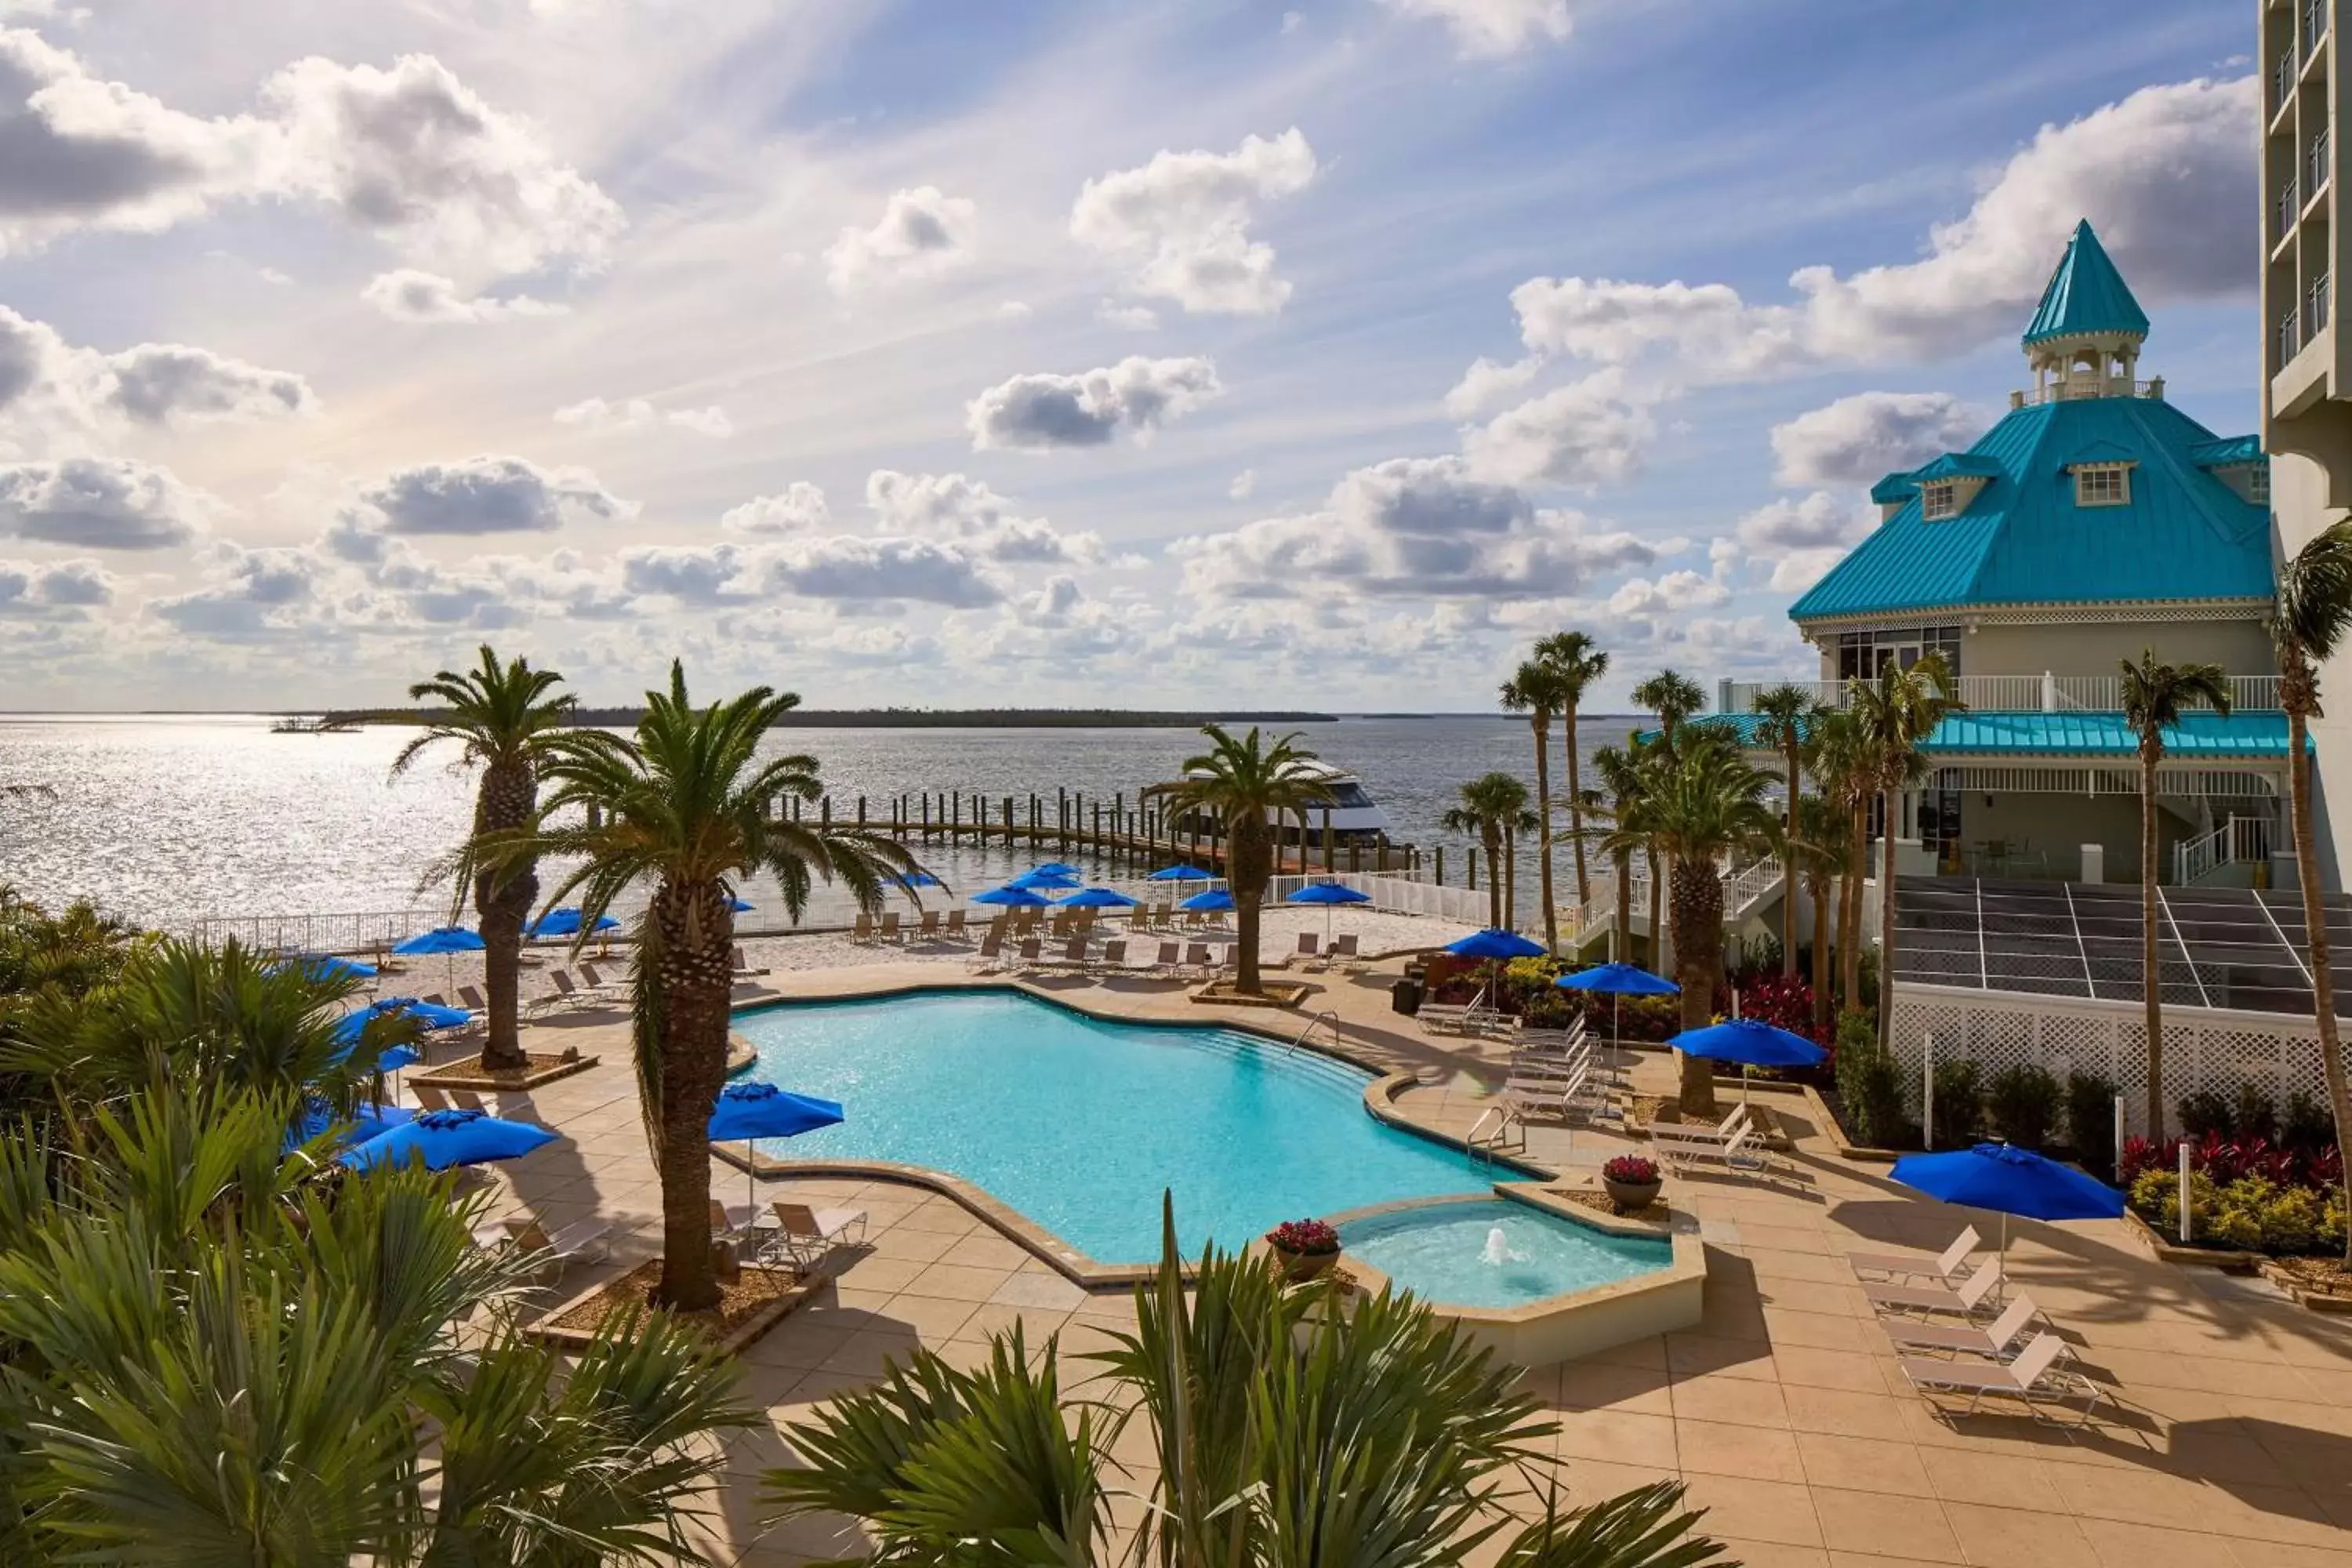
(2227, 1160)
(1631, 1169)
(1308, 1235)
(1783, 1001)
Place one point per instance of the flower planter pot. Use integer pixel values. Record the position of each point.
(1301, 1266)
(1631, 1196)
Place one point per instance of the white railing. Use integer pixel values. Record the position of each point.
(1743, 890)
(362, 933)
(2077, 389)
(1397, 894)
(2240, 841)
(2043, 693)
(2204, 1048)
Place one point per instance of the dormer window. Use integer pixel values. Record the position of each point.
(2102, 484)
(2258, 484)
(1938, 500)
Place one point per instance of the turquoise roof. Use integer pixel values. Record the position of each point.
(2227, 450)
(2185, 534)
(1893, 490)
(2086, 294)
(2236, 737)
(1959, 466)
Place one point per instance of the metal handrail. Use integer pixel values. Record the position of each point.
(1325, 1017)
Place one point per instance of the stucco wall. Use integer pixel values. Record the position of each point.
(2238, 646)
(2058, 825)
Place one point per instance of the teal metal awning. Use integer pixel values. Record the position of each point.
(2235, 737)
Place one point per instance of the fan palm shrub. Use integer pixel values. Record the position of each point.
(504, 717)
(2308, 623)
(1287, 1429)
(2154, 693)
(687, 807)
(1247, 785)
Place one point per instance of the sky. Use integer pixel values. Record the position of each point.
(1191, 354)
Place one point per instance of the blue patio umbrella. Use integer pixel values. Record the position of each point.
(566, 922)
(734, 905)
(2009, 1181)
(392, 1058)
(440, 939)
(1097, 898)
(1013, 898)
(1215, 898)
(1059, 882)
(445, 1138)
(1752, 1043)
(327, 966)
(428, 1015)
(1329, 895)
(372, 1121)
(751, 1110)
(1183, 874)
(1618, 980)
(1056, 869)
(1494, 944)
(914, 879)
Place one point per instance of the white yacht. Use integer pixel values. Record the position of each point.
(1353, 816)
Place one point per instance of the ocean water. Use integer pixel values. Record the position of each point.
(1495, 1253)
(1081, 1123)
(166, 820)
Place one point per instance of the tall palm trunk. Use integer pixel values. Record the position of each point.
(1248, 866)
(1818, 887)
(1886, 923)
(1492, 842)
(2297, 699)
(1657, 868)
(1849, 909)
(1510, 877)
(1666, 955)
(1624, 904)
(2151, 989)
(502, 902)
(1789, 873)
(1698, 952)
(1575, 805)
(693, 932)
(1542, 725)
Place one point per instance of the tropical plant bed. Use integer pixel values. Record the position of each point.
(2168, 1249)
(467, 1072)
(754, 1301)
(1274, 994)
(2322, 1284)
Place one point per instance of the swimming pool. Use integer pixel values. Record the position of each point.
(1491, 1252)
(1079, 1122)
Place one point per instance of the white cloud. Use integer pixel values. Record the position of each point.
(157, 383)
(1013, 310)
(407, 294)
(55, 394)
(59, 590)
(409, 152)
(487, 495)
(1244, 484)
(1706, 331)
(1672, 594)
(1181, 223)
(1042, 413)
(923, 232)
(1486, 382)
(798, 507)
(639, 414)
(1127, 318)
(101, 503)
(1292, 21)
(1801, 538)
(1410, 527)
(854, 570)
(1491, 27)
(1857, 439)
(249, 596)
(965, 511)
(1590, 432)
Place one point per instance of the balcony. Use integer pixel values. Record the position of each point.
(2315, 303)
(2290, 337)
(2011, 694)
(2290, 204)
(2081, 388)
(2314, 167)
(2282, 82)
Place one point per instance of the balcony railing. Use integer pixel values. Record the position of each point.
(2315, 305)
(2290, 336)
(2079, 388)
(2290, 204)
(2315, 166)
(2283, 81)
(2011, 694)
(2315, 26)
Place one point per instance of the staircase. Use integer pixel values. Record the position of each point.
(2228, 857)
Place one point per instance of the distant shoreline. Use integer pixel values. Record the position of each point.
(910, 717)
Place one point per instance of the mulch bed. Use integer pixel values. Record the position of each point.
(2324, 1284)
(467, 1072)
(1649, 1108)
(1656, 1210)
(1278, 995)
(748, 1306)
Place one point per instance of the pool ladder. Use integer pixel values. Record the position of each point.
(1484, 1145)
(1316, 1022)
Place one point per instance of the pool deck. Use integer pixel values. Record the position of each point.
(2226, 1439)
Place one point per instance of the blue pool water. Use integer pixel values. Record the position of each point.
(1079, 1123)
(1491, 1252)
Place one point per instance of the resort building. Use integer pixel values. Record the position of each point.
(2306, 364)
(2094, 522)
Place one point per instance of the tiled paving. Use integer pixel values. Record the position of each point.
(2227, 1438)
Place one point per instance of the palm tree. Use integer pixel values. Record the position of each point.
(1622, 778)
(1286, 1430)
(1821, 855)
(503, 718)
(2153, 695)
(1840, 762)
(230, 1362)
(1580, 665)
(1673, 697)
(1494, 809)
(689, 806)
(1539, 690)
(2308, 624)
(1707, 804)
(1247, 785)
(1896, 714)
(1787, 712)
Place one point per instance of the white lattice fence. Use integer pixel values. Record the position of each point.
(2204, 1048)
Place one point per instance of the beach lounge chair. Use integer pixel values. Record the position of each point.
(1974, 1295)
(730, 1222)
(602, 988)
(584, 1240)
(1904, 1265)
(992, 948)
(1031, 955)
(1074, 953)
(436, 1000)
(1197, 960)
(1343, 951)
(2033, 1377)
(954, 930)
(743, 969)
(1170, 959)
(1997, 1340)
(1440, 1017)
(863, 930)
(930, 926)
(890, 931)
(427, 1098)
(806, 1235)
(561, 993)
(1309, 954)
(470, 999)
(1114, 955)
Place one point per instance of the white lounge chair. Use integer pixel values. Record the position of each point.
(585, 1240)
(1997, 1340)
(806, 1235)
(2033, 1377)
(1944, 1266)
(1975, 1294)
